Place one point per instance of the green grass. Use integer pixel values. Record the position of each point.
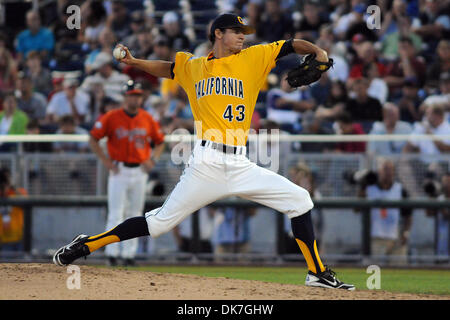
(393, 280)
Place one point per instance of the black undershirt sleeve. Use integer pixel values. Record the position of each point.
(171, 70)
(286, 49)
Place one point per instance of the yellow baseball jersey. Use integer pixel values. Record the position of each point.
(222, 92)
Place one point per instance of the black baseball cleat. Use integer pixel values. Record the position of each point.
(74, 250)
(326, 279)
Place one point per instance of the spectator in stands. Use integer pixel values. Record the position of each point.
(145, 43)
(390, 227)
(144, 48)
(162, 49)
(35, 37)
(172, 29)
(435, 21)
(40, 76)
(112, 80)
(378, 88)
(233, 231)
(12, 119)
(205, 47)
(340, 70)
(93, 20)
(69, 53)
(33, 128)
(408, 64)
(119, 19)
(320, 90)
(345, 125)
(410, 100)
(440, 65)
(442, 218)
(285, 105)
(358, 25)
(34, 104)
(302, 175)
(366, 55)
(275, 24)
(435, 124)
(391, 124)
(59, 27)
(253, 12)
(343, 17)
(8, 70)
(11, 217)
(71, 101)
(57, 86)
(140, 41)
(335, 103)
(107, 104)
(315, 125)
(394, 18)
(179, 111)
(442, 97)
(311, 22)
(362, 107)
(390, 46)
(106, 41)
(67, 125)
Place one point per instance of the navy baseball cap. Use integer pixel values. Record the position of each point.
(228, 21)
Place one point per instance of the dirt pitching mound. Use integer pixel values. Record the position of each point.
(47, 281)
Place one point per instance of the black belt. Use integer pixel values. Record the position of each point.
(221, 147)
(130, 164)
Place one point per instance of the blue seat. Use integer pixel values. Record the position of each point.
(201, 5)
(165, 5)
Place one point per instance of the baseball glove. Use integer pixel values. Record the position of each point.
(309, 71)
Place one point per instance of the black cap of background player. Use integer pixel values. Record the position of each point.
(228, 21)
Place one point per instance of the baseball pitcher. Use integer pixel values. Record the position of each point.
(222, 89)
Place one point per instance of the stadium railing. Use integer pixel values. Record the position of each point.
(21, 163)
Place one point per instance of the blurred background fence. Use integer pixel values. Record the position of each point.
(67, 196)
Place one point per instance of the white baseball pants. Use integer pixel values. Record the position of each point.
(212, 175)
(126, 199)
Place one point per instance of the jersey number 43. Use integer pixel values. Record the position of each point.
(240, 110)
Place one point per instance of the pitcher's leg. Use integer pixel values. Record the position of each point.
(275, 191)
(195, 190)
(270, 189)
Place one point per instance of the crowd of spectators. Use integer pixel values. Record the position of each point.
(380, 83)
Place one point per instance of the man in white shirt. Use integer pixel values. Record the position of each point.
(436, 124)
(70, 101)
(112, 80)
(390, 227)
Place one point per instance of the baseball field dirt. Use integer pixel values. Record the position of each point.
(34, 281)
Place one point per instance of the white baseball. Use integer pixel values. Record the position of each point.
(119, 53)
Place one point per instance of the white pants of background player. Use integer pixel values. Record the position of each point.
(212, 175)
(126, 199)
